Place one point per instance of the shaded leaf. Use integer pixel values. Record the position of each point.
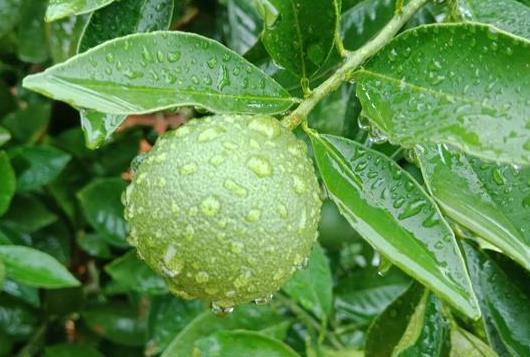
(69, 350)
(464, 343)
(240, 344)
(35, 268)
(17, 320)
(57, 9)
(491, 200)
(10, 14)
(7, 182)
(5, 135)
(312, 287)
(28, 294)
(65, 35)
(150, 72)
(27, 125)
(243, 25)
(479, 105)
(28, 214)
(395, 215)
(94, 245)
(32, 44)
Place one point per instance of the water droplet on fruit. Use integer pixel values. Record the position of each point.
(173, 56)
(282, 210)
(260, 166)
(299, 184)
(265, 126)
(188, 169)
(217, 160)
(219, 310)
(253, 215)
(210, 206)
(210, 134)
(264, 300)
(235, 188)
(202, 277)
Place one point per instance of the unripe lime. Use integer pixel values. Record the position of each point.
(225, 207)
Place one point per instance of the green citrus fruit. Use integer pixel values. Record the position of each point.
(225, 207)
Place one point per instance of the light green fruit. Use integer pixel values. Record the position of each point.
(225, 207)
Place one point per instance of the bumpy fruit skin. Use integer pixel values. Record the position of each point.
(226, 208)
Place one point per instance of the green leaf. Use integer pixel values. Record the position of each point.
(135, 275)
(491, 200)
(106, 216)
(95, 245)
(5, 135)
(243, 25)
(508, 15)
(121, 324)
(312, 287)
(154, 71)
(28, 214)
(29, 124)
(65, 35)
(162, 329)
(241, 344)
(69, 350)
(28, 294)
(364, 294)
(34, 268)
(109, 22)
(7, 182)
(57, 9)
(464, 343)
(292, 36)
(395, 215)
(98, 127)
(244, 317)
(504, 306)
(31, 35)
(478, 106)
(10, 14)
(17, 320)
(37, 166)
(2, 273)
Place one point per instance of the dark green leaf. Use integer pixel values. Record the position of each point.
(243, 25)
(464, 343)
(479, 105)
(335, 232)
(395, 215)
(16, 319)
(57, 9)
(5, 135)
(241, 344)
(27, 214)
(508, 15)
(106, 216)
(312, 287)
(28, 294)
(10, 14)
(65, 35)
(162, 329)
(150, 72)
(70, 350)
(120, 324)
(7, 182)
(98, 127)
(244, 317)
(365, 294)
(31, 36)
(292, 36)
(142, 16)
(134, 274)
(34, 268)
(94, 245)
(54, 240)
(37, 166)
(2, 273)
(504, 306)
(29, 124)
(491, 200)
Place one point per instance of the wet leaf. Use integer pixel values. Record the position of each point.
(35, 268)
(243, 25)
(396, 216)
(7, 182)
(242, 343)
(65, 35)
(150, 72)
(57, 9)
(491, 200)
(479, 106)
(98, 127)
(310, 42)
(464, 343)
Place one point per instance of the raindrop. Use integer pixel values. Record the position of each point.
(173, 56)
(210, 206)
(260, 166)
(264, 300)
(253, 215)
(188, 169)
(212, 62)
(219, 310)
(235, 188)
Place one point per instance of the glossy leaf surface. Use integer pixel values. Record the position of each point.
(150, 72)
(503, 304)
(58, 9)
(396, 216)
(464, 343)
(478, 105)
(98, 127)
(7, 182)
(310, 41)
(34, 268)
(491, 200)
(109, 22)
(65, 35)
(242, 343)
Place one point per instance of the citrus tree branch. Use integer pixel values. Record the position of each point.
(352, 62)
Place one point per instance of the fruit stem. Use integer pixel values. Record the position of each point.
(352, 61)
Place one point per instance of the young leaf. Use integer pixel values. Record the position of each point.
(106, 216)
(57, 9)
(504, 306)
(241, 343)
(133, 274)
(7, 182)
(34, 268)
(414, 325)
(479, 105)
(508, 15)
(292, 36)
(491, 200)
(98, 127)
(312, 286)
(37, 166)
(464, 343)
(142, 16)
(395, 215)
(154, 71)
